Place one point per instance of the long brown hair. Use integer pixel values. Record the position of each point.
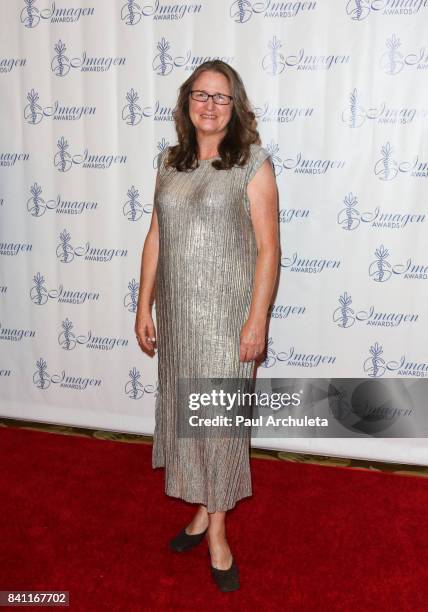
(241, 129)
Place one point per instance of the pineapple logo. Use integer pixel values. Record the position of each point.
(380, 270)
(375, 365)
(135, 389)
(386, 168)
(344, 316)
(392, 61)
(241, 11)
(274, 62)
(41, 377)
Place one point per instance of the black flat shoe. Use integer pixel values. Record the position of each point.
(184, 541)
(226, 580)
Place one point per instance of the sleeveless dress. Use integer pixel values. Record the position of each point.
(203, 290)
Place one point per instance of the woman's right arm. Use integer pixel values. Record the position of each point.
(144, 326)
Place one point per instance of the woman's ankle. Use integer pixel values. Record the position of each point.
(198, 524)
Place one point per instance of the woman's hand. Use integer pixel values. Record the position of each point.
(252, 339)
(146, 333)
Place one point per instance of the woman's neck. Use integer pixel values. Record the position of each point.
(208, 149)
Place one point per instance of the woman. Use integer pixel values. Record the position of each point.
(210, 260)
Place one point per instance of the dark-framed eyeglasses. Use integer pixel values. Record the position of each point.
(218, 98)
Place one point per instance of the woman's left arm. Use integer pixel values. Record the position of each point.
(263, 196)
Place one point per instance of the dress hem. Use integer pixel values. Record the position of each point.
(204, 503)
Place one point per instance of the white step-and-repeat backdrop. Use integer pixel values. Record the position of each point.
(87, 90)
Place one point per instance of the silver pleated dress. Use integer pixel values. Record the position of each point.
(204, 279)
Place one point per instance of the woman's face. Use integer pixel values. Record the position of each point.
(207, 117)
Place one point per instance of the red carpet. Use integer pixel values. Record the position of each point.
(90, 517)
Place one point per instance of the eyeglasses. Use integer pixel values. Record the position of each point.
(218, 98)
